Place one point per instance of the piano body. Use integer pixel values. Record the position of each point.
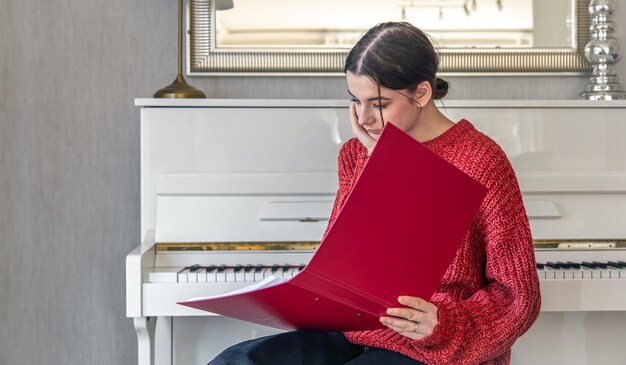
(234, 190)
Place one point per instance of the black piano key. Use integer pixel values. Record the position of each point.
(553, 265)
(248, 268)
(258, 268)
(616, 265)
(274, 268)
(601, 265)
(285, 267)
(193, 268)
(564, 265)
(539, 266)
(573, 265)
(588, 265)
(301, 267)
(238, 268)
(622, 263)
(221, 268)
(210, 268)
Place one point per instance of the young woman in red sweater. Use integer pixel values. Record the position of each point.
(489, 295)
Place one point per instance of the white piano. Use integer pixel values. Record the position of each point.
(234, 190)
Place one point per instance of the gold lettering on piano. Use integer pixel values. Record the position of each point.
(237, 246)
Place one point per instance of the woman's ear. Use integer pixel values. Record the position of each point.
(423, 93)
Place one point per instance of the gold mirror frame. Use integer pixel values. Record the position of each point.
(205, 59)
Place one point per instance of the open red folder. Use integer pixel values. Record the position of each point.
(396, 234)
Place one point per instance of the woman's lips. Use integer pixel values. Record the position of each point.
(374, 131)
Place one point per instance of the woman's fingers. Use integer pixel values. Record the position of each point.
(417, 303)
(417, 319)
(406, 328)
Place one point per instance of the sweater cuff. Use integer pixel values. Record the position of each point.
(445, 326)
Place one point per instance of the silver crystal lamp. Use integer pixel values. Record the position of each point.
(603, 52)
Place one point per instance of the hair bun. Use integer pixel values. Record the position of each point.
(441, 88)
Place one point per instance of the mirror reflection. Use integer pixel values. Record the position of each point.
(451, 23)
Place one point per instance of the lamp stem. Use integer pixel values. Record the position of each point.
(180, 37)
(179, 88)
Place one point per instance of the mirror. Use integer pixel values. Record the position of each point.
(307, 37)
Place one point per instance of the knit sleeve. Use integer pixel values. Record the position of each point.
(486, 324)
(350, 162)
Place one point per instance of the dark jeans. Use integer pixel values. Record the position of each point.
(307, 348)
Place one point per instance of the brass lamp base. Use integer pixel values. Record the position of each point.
(179, 89)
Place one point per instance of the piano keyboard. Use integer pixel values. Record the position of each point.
(224, 274)
(554, 270)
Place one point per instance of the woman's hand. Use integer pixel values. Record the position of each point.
(360, 132)
(416, 320)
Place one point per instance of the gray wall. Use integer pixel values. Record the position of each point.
(69, 162)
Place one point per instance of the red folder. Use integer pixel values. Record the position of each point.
(396, 234)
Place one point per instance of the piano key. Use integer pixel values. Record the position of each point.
(259, 273)
(221, 274)
(194, 268)
(248, 273)
(192, 276)
(588, 265)
(274, 268)
(615, 265)
(202, 275)
(230, 275)
(600, 265)
(211, 274)
(182, 275)
(291, 272)
(301, 267)
(553, 265)
(574, 265)
(240, 274)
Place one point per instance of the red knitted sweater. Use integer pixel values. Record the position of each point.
(489, 295)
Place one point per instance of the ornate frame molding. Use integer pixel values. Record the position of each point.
(204, 59)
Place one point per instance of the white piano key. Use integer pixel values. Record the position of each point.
(553, 274)
(605, 274)
(211, 276)
(230, 275)
(221, 276)
(622, 274)
(578, 274)
(249, 276)
(182, 276)
(192, 277)
(202, 275)
(240, 276)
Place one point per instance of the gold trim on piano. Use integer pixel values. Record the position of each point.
(237, 246)
(580, 244)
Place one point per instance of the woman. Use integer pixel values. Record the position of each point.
(489, 295)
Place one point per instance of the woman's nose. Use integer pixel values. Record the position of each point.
(366, 117)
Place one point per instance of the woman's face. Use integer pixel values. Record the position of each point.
(396, 106)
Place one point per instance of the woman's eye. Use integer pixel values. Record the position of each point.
(378, 106)
(353, 100)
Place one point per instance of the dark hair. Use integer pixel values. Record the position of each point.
(397, 56)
